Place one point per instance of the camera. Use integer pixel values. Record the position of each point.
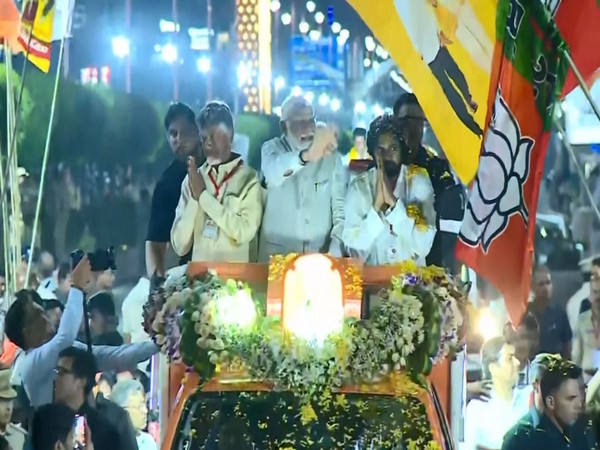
(100, 260)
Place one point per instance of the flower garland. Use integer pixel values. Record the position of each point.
(420, 193)
(213, 322)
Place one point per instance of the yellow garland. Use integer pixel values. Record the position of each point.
(278, 265)
(414, 212)
(415, 170)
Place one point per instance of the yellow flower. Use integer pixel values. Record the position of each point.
(340, 400)
(307, 414)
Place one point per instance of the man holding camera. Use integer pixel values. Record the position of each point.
(28, 327)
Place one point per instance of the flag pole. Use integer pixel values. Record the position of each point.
(582, 83)
(38, 207)
(578, 167)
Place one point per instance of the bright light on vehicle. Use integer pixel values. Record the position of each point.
(203, 64)
(120, 46)
(238, 310)
(313, 299)
(169, 53)
(336, 27)
(335, 105)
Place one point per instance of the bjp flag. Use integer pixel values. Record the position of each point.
(577, 21)
(497, 234)
(444, 48)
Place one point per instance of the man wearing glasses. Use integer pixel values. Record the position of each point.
(305, 184)
(449, 194)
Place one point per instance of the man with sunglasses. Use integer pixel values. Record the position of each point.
(305, 182)
(449, 194)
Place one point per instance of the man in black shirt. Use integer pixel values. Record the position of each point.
(449, 194)
(75, 378)
(184, 140)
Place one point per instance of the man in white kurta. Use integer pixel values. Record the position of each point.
(305, 183)
(389, 209)
(221, 203)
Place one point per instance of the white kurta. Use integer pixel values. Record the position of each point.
(389, 238)
(421, 26)
(304, 211)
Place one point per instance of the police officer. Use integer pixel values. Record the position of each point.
(14, 434)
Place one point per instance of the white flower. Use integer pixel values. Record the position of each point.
(214, 358)
(218, 344)
(195, 316)
(497, 193)
(420, 189)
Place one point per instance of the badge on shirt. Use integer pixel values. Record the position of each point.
(392, 254)
(210, 229)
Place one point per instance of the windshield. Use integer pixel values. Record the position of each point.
(272, 420)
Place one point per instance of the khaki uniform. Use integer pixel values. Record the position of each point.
(15, 435)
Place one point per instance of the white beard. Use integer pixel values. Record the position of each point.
(297, 144)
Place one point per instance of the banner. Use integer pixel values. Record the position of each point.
(444, 49)
(37, 23)
(577, 21)
(497, 234)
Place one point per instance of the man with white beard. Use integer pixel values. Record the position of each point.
(305, 184)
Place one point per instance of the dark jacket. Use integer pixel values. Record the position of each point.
(537, 432)
(120, 420)
(104, 434)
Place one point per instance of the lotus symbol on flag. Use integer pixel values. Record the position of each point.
(497, 193)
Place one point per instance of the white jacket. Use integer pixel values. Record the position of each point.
(305, 203)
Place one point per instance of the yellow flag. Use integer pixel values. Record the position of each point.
(444, 48)
(36, 31)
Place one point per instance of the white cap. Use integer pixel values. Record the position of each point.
(292, 104)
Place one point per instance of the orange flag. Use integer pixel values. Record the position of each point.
(10, 24)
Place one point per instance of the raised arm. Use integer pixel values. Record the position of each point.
(123, 357)
(278, 163)
(42, 360)
(182, 232)
(240, 222)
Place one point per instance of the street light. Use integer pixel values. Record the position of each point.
(303, 27)
(279, 83)
(296, 91)
(360, 107)
(275, 6)
(323, 99)
(120, 46)
(309, 96)
(335, 105)
(367, 62)
(314, 35)
(345, 34)
(336, 27)
(169, 53)
(311, 6)
(319, 18)
(286, 18)
(370, 43)
(203, 64)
